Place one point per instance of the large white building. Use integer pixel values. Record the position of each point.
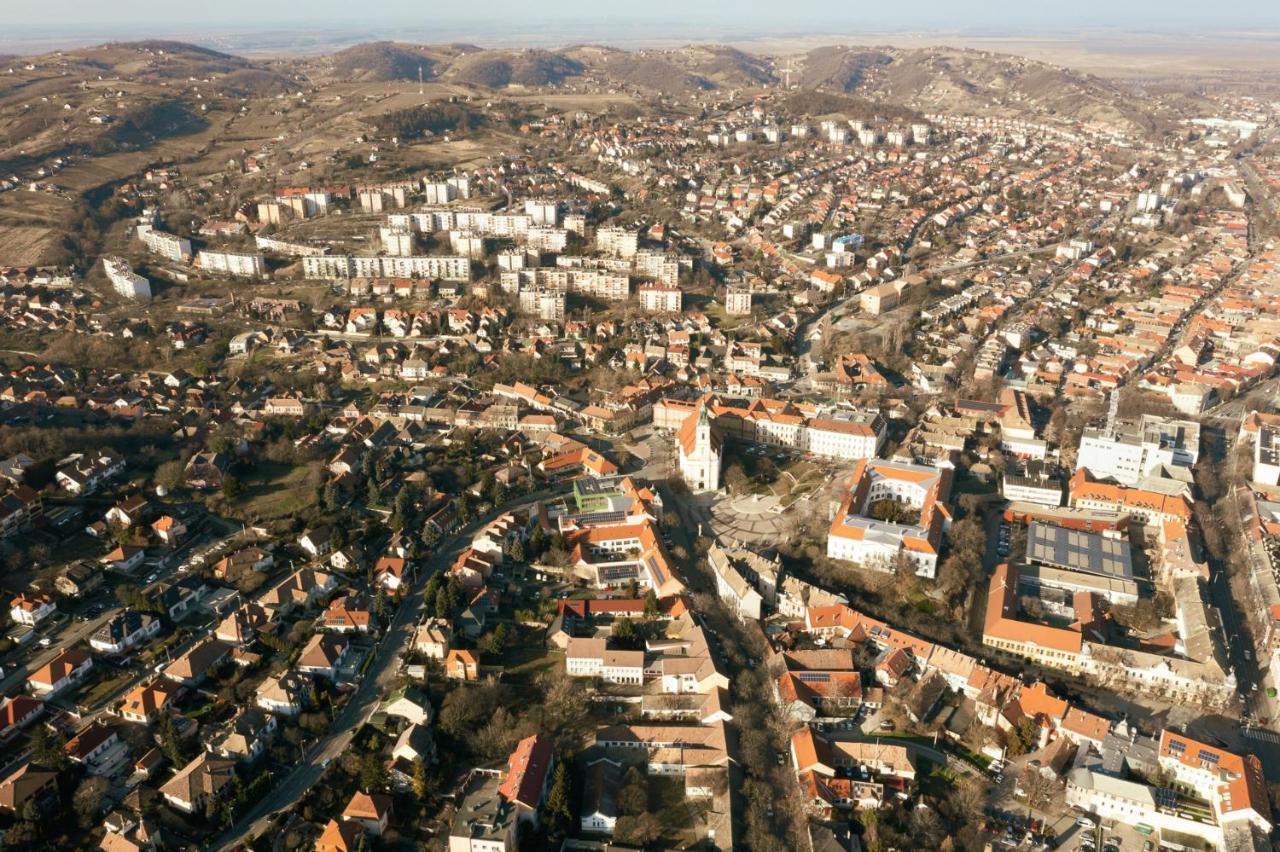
(124, 280)
(330, 267)
(168, 246)
(617, 241)
(701, 452)
(1132, 451)
(916, 535)
(661, 298)
(233, 263)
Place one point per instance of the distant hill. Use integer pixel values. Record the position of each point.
(382, 61)
(936, 79)
(497, 69)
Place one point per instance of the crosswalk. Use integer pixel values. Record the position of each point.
(1262, 734)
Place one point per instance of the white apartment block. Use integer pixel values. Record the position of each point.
(439, 193)
(1132, 451)
(124, 280)
(397, 241)
(737, 301)
(333, 267)
(168, 246)
(233, 263)
(547, 238)
(546, 304)
(617, 241)
(661, 298)
(542, 212)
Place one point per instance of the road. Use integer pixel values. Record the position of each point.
(377, 681)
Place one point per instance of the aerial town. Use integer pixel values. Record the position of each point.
(596, 450)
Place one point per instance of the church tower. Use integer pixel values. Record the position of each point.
(701, 451)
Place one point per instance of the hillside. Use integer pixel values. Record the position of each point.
(382, 61)
(936, 79)
(495, 69)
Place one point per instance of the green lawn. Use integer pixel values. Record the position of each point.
(104, 688)
(276, 491)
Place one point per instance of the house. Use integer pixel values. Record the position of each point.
(206, 471)
(461, 664)
(324, 655)
(243, 738)
(169, 529)
(242, 561)
(349, 613)
(130, 511)
(369, 811)
(244, 624)
(66, 669)
(18, 712)
(409, 703)
(30, 609)
(600, 784)
(340, 837)
(126, 630)
(284, 693)
(192, 667)
(125, 559)
(203, 778)
(433, 638)
(317, 542)
(414, 743)
(528, 776)
(178, 599)
(390, 573)
(97, 748)
(77, 580)
(144, 703)
(22, 785)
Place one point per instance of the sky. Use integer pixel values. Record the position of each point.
(706, 17)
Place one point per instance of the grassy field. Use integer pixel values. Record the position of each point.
(276, 491)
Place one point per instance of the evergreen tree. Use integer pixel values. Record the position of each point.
(651, 604)
(558, 798)
(421, 787)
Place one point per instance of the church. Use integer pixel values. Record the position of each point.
(701, 451)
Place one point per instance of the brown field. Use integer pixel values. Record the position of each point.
(26, 246)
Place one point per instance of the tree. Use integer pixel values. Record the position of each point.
(373, 773)
(170, 474)
(633, 793)
(495, 642)
(169, 742)
(558, 798)
(232, 487)
(515, 550)
(400, 509)
(441, 605)
(651, 604)
(48, 750)
(88, 798)
(624, 631)
(638, 829)
(421, 785)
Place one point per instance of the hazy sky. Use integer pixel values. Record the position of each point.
(704, 17)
